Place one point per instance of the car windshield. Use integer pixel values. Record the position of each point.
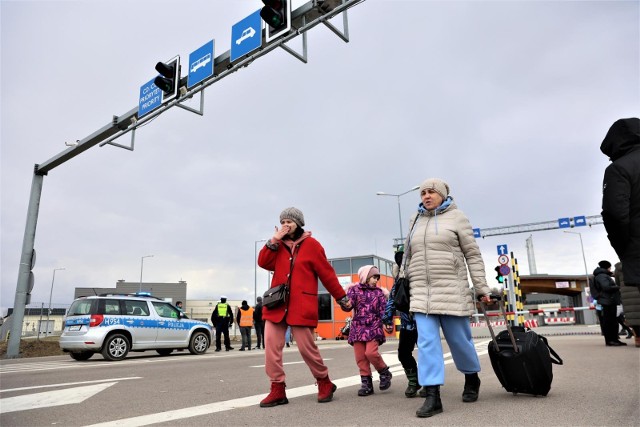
(80, 308)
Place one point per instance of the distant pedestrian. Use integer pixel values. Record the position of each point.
(298, 259)
(179, 306)
(621, 195)
(222, 319)
(630, 303)
(366, 333)
(608, 298)
(244, 318)
(440, 253)
(258, 323)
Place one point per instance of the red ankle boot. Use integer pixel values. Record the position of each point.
(277, 396)
(325, 389)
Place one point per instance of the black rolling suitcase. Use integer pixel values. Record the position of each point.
(521, 359)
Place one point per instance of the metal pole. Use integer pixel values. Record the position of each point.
(50, 294)
(24, 271)
(255, 269)
(400, 218)
(397, 196)
(141, 267)
(584, 259)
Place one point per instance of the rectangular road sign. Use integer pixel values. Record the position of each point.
(564, 222)
(579, 221)
(503, 250)
(150, 98)
(246, 36)
(476, 233)
(201, 64)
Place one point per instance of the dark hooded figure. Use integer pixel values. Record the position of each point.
(621, 195)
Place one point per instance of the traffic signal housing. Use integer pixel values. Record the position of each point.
(277, 16)
(499, 276)
(169, 78)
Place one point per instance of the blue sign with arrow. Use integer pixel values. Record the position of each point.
(579, 221)
(200, 64)
(476, 233)
(503, 250)
(564, 222)
(246, 36)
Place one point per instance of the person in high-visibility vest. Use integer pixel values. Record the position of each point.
(222, 318)
(244, 318)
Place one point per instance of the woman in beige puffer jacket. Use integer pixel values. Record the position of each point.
(439, 249)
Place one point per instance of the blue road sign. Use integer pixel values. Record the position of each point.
(200, 64)
(504, 270)
(579, 221)
(564, 222)
(476, 233)
(246, 36)
(150, 98)
(503, 250)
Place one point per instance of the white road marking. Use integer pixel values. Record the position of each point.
(69, 384)
(287, 363)
(51, 398)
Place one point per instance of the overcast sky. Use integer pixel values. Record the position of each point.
(507, 101)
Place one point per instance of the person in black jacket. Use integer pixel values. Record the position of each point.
(621, 195)
(608, 298)
(258, 323)
(222, 319)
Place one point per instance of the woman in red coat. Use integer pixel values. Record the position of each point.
(293, 252)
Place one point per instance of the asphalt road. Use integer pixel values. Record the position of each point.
(596, 386)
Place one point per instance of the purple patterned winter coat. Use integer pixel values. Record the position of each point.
(368, 309)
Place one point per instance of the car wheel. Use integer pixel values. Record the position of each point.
(82, 355)
(115, 347)
(199, 343)
(164, 351)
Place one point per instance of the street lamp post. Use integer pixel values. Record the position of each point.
(255, 269)
(586, 270)
(382, 193)
(141, 267)
(46, 332)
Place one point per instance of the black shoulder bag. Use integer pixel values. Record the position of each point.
(402, 297)
(278, 295)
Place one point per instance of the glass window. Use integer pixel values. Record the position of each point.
(342, 266)
(136, 308)
(81, 307)
(109, 306)
(165, 310)
(324, 307)
(356, 263)
(321, 288)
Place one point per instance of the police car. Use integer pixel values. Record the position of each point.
(113, 325)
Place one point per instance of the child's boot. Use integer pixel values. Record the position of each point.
(366, 388)
(385, 378)
(412, 388)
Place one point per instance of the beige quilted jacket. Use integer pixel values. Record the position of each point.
(441, 248)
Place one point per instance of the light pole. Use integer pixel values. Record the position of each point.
(382, 193)
(46, 332)
(141, 267)
(586, 270)
(255, 269)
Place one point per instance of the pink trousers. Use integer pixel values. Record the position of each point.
(305, 340)
(366, 355)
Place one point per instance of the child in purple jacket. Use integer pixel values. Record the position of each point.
(366, 334)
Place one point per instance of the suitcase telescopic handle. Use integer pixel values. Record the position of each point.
(506, 321)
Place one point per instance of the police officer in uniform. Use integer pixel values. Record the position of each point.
(222, 318)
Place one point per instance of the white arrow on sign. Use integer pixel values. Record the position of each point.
(51, 398)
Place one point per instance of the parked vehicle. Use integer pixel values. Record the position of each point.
(115, 324)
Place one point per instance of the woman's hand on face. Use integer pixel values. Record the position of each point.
(281, 232)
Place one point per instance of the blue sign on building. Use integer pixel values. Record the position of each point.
(503, 250)
(150, 98)
(246, 36)
(564, 222)
(476, 233)
(579, 221)
(200, 64)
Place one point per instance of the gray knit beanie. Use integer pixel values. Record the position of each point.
(293, 214)
(437, 185)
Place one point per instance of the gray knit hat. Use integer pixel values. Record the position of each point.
(293, 214)
(437, 185)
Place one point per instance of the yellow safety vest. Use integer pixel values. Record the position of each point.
(222, 309)
(247, 317)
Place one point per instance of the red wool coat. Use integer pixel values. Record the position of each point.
(310, 265)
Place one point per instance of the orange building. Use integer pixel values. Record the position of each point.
(331, 317)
